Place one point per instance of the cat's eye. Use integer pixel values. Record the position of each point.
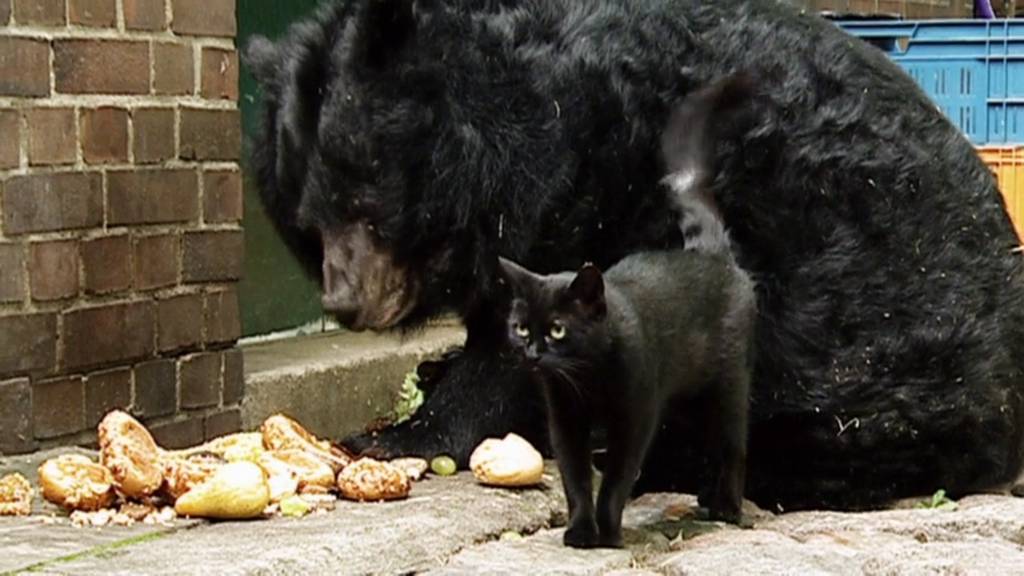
(557, 331)
(522, 331)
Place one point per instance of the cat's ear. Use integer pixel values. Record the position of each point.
(511, 274)
(587, 288)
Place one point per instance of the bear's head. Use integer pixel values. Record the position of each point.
(397, 142)
(351, 102)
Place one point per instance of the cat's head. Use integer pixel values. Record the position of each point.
(557, 322)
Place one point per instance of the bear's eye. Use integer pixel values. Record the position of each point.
(522, 331)
(557, 331)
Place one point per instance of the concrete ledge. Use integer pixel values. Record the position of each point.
(336, 384)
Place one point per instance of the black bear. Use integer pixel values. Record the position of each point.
(406, 144)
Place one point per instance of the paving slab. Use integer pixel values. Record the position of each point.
(649, 524)
(48, 535)
(441, 517)
(454, 526)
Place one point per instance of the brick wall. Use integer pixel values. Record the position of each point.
(908, 8)
(120, 209)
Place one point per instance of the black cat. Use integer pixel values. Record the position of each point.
(618, 348)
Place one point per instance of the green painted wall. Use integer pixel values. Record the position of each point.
(274, 293)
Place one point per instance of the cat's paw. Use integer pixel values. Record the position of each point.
(581, 535)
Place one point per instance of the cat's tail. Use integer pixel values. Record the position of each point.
(688, 146)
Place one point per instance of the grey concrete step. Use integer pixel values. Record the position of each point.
(337, 383)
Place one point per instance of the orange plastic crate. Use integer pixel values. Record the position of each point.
(1007, 163)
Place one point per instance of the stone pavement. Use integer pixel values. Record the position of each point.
(453, 526)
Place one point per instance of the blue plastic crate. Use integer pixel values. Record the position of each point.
(972, 69)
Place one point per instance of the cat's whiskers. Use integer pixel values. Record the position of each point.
(568, 369)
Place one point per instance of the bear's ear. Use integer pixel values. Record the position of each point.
(587, 288)
(385, 27)
(263, 60)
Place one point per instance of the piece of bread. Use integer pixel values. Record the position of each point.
(367, 479)
(15, 495)
(414, 468)
(511, 461)
(232, 447)
(128, 450)
(282, 433)
(312, 475)
(75, 482)
(184, 474)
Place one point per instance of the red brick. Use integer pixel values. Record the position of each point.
(200, 381)
(222, 423)
(173, 70)
(46, 202)
(12, 280)
(51, 136)
(10, 144)
(178, 434)
(220, 74)
(210, 134)
(222, 196)
(108, 334)
(145, 15)
(5, 16)
(156, 261)
(53, 270)
(58, 407)
(99, 13)
(204, 17)
(152, 196)
(24, 67)
(179, 323)
(39, 12)
(212, 256)
(156, 389)
(154, 135)
(28, 344)
(222, 320)
(101, 66)
(107, 264)
(106, 391)
(234, 376)
(16, 416)
(105, 135)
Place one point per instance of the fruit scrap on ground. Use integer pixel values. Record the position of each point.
(237, 490)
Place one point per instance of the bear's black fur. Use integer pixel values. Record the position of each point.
(406, 145)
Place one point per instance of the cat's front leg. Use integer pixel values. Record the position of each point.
(569, 425)
(629, 436)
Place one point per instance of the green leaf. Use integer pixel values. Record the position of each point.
(410, 398)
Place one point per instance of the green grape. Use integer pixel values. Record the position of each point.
(443, 466)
